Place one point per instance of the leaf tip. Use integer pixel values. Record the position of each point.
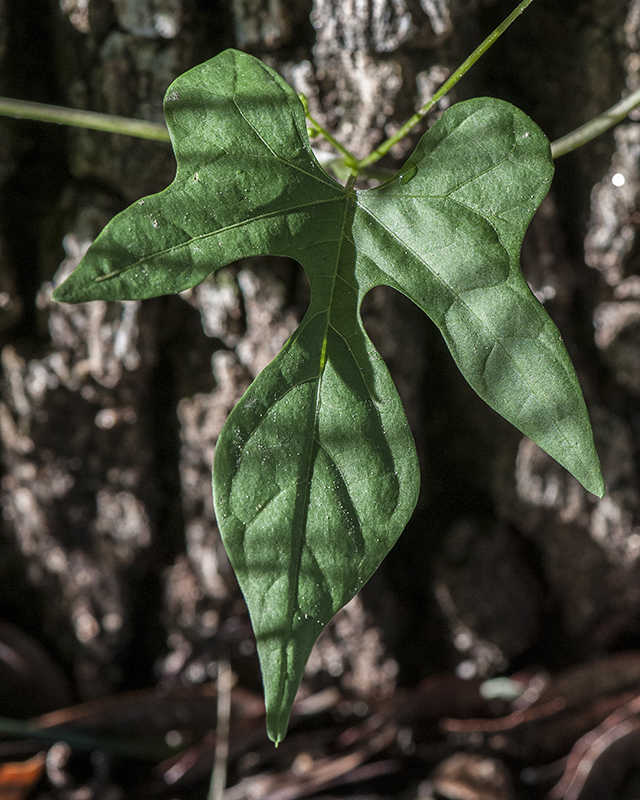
(61, 294)
(597, 487)
(72, 291)
(591, 479)
(276, 735)
(277, 724)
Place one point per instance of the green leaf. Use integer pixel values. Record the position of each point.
(450, 239)
(315, 472)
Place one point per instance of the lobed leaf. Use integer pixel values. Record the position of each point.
(315, 473)
(450, 239)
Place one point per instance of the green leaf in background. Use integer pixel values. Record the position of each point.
(315, 473)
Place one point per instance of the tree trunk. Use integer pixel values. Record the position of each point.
(110, 555)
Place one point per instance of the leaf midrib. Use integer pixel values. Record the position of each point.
(288, 163)
(259, 218)
(303, 144)
(301, 507)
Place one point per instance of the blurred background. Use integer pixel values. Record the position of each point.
(117, 603)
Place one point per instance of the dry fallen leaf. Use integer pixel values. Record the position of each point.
(17, 778)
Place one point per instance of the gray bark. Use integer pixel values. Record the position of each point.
(110, 413)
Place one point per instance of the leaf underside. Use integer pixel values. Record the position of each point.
(315, 474)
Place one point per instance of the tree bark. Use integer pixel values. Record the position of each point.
(110, 412)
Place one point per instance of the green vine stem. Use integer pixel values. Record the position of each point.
(24, 109)
(384, 148)
(350, 161)
(585, 133)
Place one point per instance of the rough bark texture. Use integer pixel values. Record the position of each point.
(109, 414)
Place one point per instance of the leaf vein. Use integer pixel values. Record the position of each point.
(218, 232)
(286, 162)
(457, 296)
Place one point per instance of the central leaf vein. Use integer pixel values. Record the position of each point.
(281, 212)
